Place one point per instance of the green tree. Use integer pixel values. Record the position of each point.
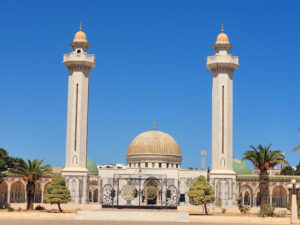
(287, 170)
(263, 159)
(201, 193)
(297, 171)
(31, 172)
(57, 192)
(7, 162)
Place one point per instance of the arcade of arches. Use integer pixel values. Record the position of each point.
(13, 190)
(249, 192)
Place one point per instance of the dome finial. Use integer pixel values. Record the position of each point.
(222, 29)
(80, 26)
(154, 125)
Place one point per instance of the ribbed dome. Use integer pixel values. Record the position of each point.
(222, 38)
(155, 143)
(80, 36)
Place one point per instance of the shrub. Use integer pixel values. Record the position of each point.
(288, 205)
(19, 209)
(218, 202)
(39, 207)
(10, 209)
(269, 211)
(243, 208)
(223, 210)
(280, 214)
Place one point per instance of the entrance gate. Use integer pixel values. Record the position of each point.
(140, 191)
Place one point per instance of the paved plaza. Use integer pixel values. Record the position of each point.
(72, 222)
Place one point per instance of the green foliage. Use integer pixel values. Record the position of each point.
(7, 162)
(263, 158)
(297, 171)
(243, 208)
(268, 211)
(57, 192)
(32, 171)
(288, 205)
(200, 192)
(280, 214)
(10, 209)
(287, 170)
(218, 202)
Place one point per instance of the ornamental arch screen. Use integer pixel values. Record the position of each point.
(17, 192)
(3, 194)
(37, 193)
(139, 191)
(279, 197)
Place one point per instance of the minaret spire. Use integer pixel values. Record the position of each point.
(79, 64)
(222, 66)
(154, 125)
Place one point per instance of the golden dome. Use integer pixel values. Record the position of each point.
(155, 143)
(80, 35)
(222, 37)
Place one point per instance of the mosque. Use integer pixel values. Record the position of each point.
(152, 176)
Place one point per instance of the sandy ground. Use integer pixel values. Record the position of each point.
(201, 219)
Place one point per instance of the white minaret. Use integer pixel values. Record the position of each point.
(222, 65)
(79, 64)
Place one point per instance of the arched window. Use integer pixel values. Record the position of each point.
(3, 193)
(258, 199)
(37, 193)
(247, 198)
(95, 195)
(279, 197)
(17, 192)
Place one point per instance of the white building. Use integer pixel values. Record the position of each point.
(152, 178)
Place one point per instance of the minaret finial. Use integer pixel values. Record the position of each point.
(154, 125)
(80, 26)
(222, 29)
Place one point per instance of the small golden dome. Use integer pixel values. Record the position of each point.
(222, 37)
(80, 35)
(154, 142)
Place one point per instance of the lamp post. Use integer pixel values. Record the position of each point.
(294, 188)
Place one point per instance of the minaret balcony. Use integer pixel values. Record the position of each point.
(79, 59)
(223, 59)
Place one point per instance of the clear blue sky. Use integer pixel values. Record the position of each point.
(151, 58)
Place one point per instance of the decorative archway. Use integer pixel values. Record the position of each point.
(279, 196)
(17, 192)
(258, 199)
(247, 198)
(37, 193)
(3, 193)
(95, 197)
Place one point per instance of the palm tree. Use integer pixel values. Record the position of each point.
(31, 172)
(263, 159)
(297, 148)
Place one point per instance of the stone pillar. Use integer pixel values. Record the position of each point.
(294, 212)
(8, 193)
